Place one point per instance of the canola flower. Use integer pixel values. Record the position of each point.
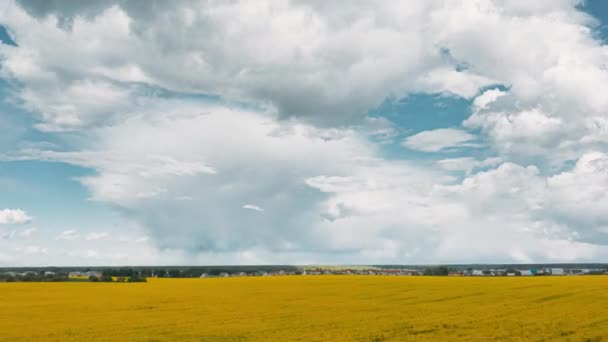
(310, 308)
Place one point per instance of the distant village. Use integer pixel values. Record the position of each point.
(501, 272)
(126, 274)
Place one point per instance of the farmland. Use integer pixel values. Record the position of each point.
(310, 308)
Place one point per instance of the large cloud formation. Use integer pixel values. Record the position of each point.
(196, 113)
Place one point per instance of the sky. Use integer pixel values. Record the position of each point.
(303, 132)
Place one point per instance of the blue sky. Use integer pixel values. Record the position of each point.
(471, 133)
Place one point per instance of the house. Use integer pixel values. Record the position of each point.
(224, 274)
(557, 271)
(87, 274)
(204, 275)
(409, 272)
(526, 273)
(499, 272)
(391, 271)
(477, 273)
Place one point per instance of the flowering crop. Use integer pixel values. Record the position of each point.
(309, 308)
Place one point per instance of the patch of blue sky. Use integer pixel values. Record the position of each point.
(6, 37)
(422, 112)
(17, 125)
(50, 192)
(598, 9)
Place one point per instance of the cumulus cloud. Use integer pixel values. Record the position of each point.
(14, 216)
(440, 139)
(278, 156)
(324, 54)
(507, 212)
(577, 197)
(296, 52)
(355, 205)
(276, 54)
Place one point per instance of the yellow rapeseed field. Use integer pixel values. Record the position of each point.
(309, 308)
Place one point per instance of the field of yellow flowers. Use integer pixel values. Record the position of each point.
(309, 308)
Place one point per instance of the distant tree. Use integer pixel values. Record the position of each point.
(145, 272)
(106, 278)
(28, 277)
(215, 272)
(93, 278)
(126, 272)
(60, 277)
(173, 273)
(137, 279)
(442, 271)
(436, 271)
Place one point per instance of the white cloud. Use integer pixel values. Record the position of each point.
(252, 207)
(577, 197)
(531, 132)
(14, 216)
(96, 236)
(276, 54)
(330, 195)
(280, 55)
(447, 80)
(487, 97)
(440, 139)
(27, 232)
(279, 156)
(467, 164)
(68, 235)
